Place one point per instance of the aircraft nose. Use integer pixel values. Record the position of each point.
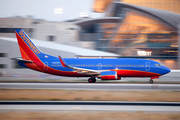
(167, 70)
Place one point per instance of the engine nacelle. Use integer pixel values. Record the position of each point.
(109, 75)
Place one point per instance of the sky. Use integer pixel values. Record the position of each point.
(44, 9)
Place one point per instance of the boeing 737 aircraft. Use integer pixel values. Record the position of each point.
(103, 68)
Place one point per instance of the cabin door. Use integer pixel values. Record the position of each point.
(147, 66)
(46, 65)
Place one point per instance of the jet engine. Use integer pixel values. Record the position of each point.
(109, 75)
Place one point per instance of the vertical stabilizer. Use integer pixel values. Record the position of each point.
(28, 49)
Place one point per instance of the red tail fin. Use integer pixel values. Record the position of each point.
(27, 48)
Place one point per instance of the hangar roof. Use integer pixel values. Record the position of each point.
(170, 18)
(88, 24)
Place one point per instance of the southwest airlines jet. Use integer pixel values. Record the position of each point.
(102, 68)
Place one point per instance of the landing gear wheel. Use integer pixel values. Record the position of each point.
(92, 80)
(151, 81)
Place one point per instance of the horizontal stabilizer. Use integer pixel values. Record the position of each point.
(21, 60)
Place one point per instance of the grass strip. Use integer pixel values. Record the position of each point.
(87, 116)
(80, 95)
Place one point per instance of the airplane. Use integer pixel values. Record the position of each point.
(102, 68)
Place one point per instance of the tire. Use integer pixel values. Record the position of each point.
(151, 81)
(92, 80)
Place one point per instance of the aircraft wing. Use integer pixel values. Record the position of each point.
(79, 70)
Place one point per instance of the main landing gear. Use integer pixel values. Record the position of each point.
(151, 81)
(92, 80)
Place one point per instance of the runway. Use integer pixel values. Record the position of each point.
(92, 86)
(90, 106)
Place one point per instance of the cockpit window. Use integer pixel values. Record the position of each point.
(159, 65)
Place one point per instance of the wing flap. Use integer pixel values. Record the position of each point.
(86, 71)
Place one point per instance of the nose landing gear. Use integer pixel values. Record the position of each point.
(151, 81)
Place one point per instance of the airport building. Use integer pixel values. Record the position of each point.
(137, 29)
(58, 32)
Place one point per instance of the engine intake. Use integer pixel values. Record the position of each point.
(109, 75)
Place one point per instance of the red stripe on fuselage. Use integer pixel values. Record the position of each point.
(135, 73)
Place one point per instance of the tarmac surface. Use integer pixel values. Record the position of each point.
(93, 86)
(89, 106)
